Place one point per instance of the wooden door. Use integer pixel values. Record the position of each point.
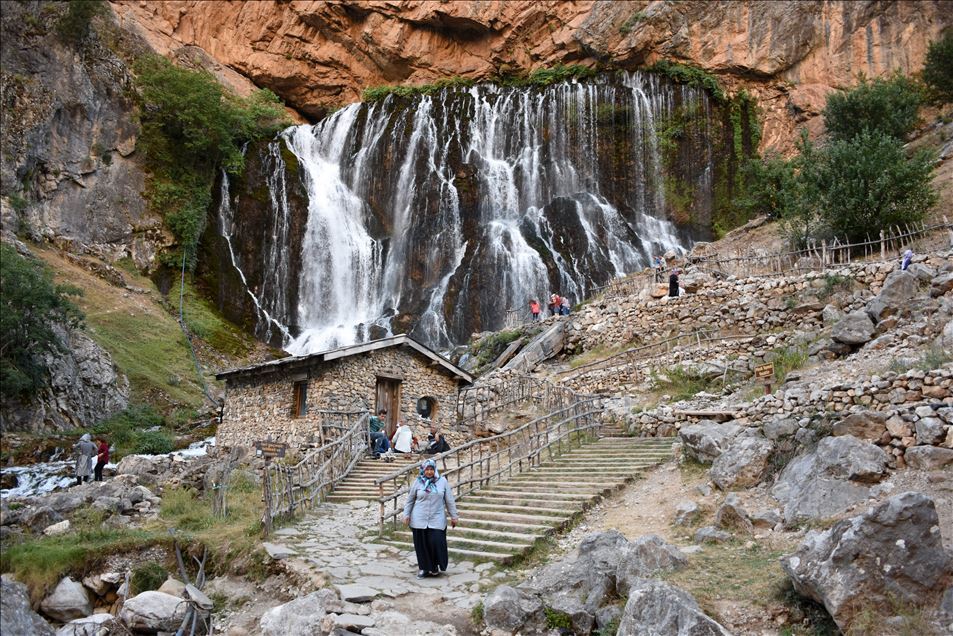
(388, 397)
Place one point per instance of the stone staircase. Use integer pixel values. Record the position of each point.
(359, 483)
(503, 521)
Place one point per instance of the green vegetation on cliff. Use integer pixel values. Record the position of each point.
(31, 305)
(886, 105)
(192, 127)
(938, 69)
(75, 24)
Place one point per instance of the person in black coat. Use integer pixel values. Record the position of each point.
(673, 284)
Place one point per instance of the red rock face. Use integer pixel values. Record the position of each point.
(320, 55)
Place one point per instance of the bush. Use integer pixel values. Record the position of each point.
(867, 183)
(885, 105)
(74, 25)
(128, 432)
(769, 187)
(938, 69)
(191, 128)
(148, 576)
(152, 443)
(691, 75)
(30, 306)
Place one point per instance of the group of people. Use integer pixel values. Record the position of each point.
(91, 457)
(403, 439)
(558, 306)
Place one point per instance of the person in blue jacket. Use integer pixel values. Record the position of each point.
(428, 501)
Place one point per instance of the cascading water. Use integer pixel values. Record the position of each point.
(437, 214)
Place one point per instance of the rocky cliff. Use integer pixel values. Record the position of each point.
(319, 55)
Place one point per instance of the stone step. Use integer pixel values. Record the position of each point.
(555, 496)
(569, 485)
(461, 541)
(497, 524)
(493, 515)
(475, 555)
(470, 504)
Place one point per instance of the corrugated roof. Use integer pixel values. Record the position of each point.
(293, 362)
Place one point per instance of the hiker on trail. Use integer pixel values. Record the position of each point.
(534, 309)
(659, 268)
(563, 306)
(379, 443)
(435, 442)
(428, 501)
(907, 257)
(85, 451)
(673, 284)
(403, 439)
(102, 458)
(553, 304)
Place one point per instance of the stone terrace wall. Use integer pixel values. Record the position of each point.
(260, 407)
(748, 306)
(740, 355)
(917, 405)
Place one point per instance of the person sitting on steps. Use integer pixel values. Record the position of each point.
(375, 427)
(435, 442)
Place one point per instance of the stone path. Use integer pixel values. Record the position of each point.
(337, 539)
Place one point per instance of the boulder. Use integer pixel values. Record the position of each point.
(173, 586)
(892, 554)
(711, 534)
(67, 601)
(899, 287)
(942, 284)
(355, 593)
(928, 457)
(732, 515)
(706, 440)
(830, 479)
(301, 616)
(655, 608)
(390, 623)
(57, 529)
(854, 329)
(930, 430)
(16, 615)
(89, 626)
(743, 463)
(831, 314)
(779, 427)
(513, 610)
(581, 583)
(153, 612)
(644, 558)
(145, 468)
(766, 519)
(868, 425)
(945, 340)
(686, 512)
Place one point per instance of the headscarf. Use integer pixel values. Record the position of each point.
(85, 438)
(429, 483)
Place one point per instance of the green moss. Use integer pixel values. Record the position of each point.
(379, 93)
(204, 321)
(147, 576)
(290, 158)
(691, 75)
(557, 620)
(631, 21)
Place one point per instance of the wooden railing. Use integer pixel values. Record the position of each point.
(888, 245)
(485, 461)
(477, 403)
(289, 489)
(626, 357)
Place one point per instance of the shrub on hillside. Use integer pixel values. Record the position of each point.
(30, 306)
(74, 26)
(191, 128)
(885, 105)
(938, 69)
(867, 183)
(136, 430)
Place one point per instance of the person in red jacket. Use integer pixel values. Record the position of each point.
(534, 309)
(102, 458)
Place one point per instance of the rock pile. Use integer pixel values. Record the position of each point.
(606, 582)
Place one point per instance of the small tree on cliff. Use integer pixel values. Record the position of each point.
(886, 105)
(30, 305)
(938, 69)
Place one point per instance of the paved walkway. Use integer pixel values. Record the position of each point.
(337, 539)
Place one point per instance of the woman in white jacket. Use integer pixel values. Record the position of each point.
(428, 501)
(403, 439)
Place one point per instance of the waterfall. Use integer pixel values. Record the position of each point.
(437, 214)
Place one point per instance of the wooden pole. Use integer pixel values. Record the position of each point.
(266, 481)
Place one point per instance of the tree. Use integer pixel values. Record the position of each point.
(864, 184)
(30, 306)
(938, 69)
(75, 24)
(886, 105)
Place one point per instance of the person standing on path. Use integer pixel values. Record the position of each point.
(673, 284)
(102, 458)
(85, 451)
(429, 500)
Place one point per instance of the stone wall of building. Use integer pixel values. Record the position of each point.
(260, 407)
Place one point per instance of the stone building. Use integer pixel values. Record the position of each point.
(284, 400)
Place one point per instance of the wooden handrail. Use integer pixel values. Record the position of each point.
(483, 461)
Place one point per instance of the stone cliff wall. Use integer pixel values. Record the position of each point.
(318, 55)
